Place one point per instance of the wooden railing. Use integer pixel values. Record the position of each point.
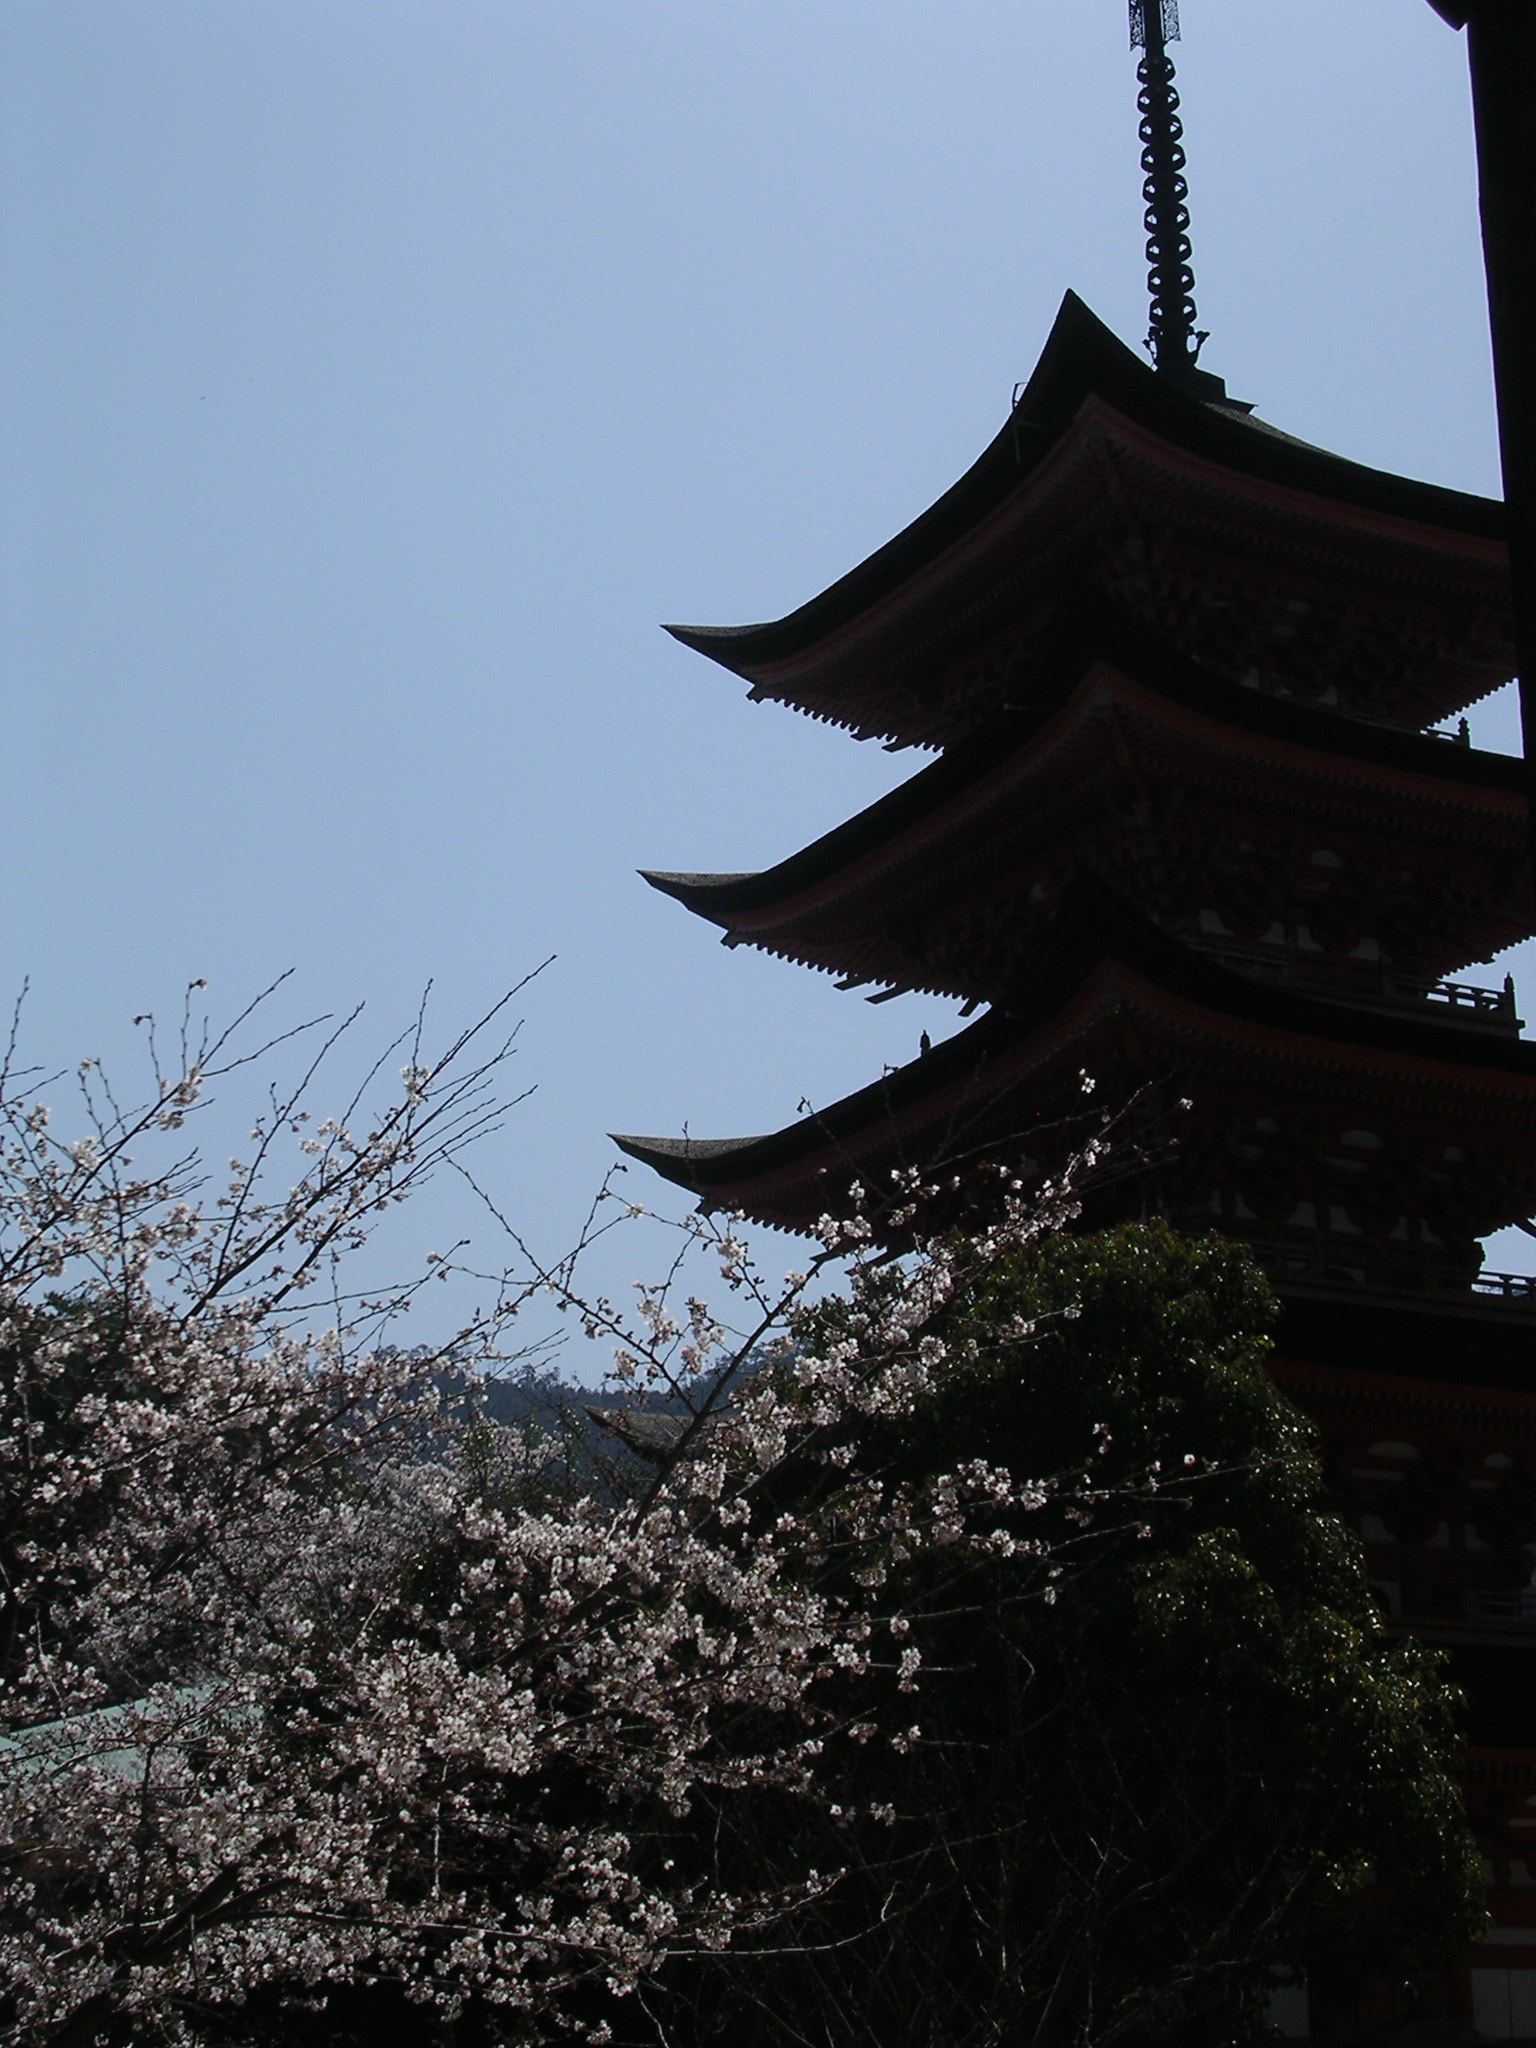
(1356, 1269)
(1368, 983)
(1517, 1608)
(1487, 1002)
(1507, 1286)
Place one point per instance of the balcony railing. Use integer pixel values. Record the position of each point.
(1368, 984)
(1507, 1286)
(1508, 1609)
(1497, 1004)
(1376, 1270)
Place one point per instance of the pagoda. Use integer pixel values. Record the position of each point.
(1195, 826)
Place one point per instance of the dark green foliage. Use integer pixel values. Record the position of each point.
(1145, 1785)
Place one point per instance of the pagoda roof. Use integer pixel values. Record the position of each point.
(869, 651)
(1015, 1071)
(1000, 804)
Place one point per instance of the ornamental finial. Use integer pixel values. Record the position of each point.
(1173, 341)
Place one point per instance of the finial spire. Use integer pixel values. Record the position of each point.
(1173, 341)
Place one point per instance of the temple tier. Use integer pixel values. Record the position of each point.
(1270, 561)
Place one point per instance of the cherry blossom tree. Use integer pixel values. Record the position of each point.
(324, 1695)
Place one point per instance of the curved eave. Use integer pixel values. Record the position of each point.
(1102, 946)
(1083, 638)
(1082, 358)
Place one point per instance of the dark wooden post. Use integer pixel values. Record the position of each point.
(1501, 36)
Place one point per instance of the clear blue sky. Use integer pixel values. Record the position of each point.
(375, 376)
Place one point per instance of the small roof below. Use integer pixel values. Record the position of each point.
(685, 1151)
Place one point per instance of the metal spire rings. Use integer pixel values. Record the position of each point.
(1173, 340)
